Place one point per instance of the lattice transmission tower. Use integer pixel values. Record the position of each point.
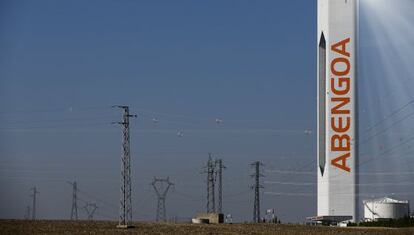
(125, 208)
(210, 169)
(74, 210)
(219, 175)
(161, 187)
(90, 209)
(256, 187)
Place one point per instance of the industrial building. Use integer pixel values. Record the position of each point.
(209, 218)
(337, 128)
(385, 208)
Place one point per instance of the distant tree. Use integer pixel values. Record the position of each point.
(396, 223)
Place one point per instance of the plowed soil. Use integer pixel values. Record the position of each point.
(16, 227)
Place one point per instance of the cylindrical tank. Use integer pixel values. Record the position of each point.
(385, 208)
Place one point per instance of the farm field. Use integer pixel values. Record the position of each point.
(15, 227)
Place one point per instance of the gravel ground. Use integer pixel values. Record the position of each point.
(16, 227)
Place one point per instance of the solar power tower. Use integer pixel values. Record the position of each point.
(337, 106)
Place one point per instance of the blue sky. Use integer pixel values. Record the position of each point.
(185, 63)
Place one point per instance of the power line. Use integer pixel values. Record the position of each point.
(315, 194)
(365, 185)
(291, 172)
(69, 128)
(107, 215)
(76, 198)
(89, 195)
(238, 194)
(388, 151)
(92, 119)
(385, 129)
(187, 196)
(365, 173)
(381, 155)
(57, 110)
(150, 113)
(391, 114)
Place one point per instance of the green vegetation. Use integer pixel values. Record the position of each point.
(394, 223)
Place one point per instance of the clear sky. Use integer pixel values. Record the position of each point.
(251, 64)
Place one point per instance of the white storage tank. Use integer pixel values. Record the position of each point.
(385, 208)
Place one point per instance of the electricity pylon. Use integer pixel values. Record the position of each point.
(74, 211)
(125, 208)
(256, 187)
(90, 209)
(219, 173)
(34, 202)
(211, 203)
(161, 187)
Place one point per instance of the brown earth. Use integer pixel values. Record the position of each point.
(16, 227)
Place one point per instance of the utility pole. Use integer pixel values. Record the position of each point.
(256, 187)
(125, 209)
(74, 212)
(219, 172)
(90, 209)
(211, 207)
(161, 191)
(34, 202)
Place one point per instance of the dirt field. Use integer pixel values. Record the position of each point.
(15, 227)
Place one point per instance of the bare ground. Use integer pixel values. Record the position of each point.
(16, 227)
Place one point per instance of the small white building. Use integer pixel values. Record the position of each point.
(385, 208)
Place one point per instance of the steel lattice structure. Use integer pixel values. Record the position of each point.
(90, 209)
(256, 187)
(125, 208)
(219, 173)
(161, 191)
(74, 211)
(211, 203)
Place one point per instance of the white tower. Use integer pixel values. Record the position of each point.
(337, 107)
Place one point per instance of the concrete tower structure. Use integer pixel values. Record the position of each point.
(337, 107)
